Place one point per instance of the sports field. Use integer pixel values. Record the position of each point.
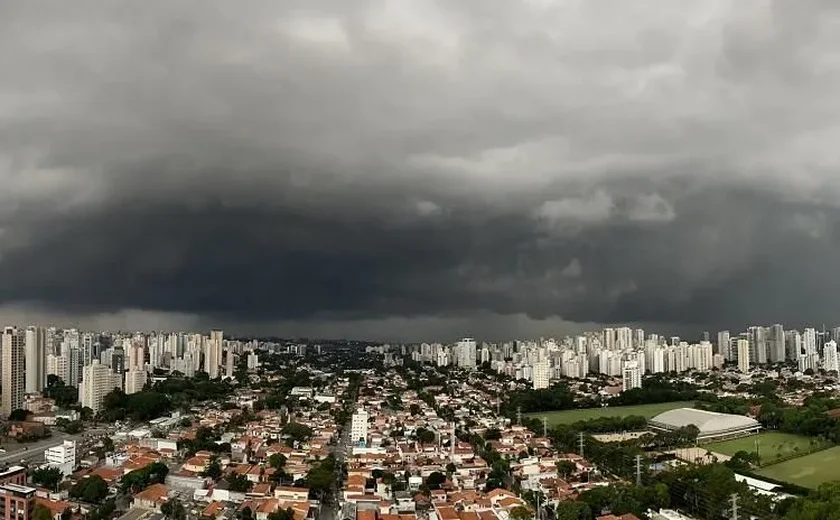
(772, 446)
(809, 471)
(585, 414)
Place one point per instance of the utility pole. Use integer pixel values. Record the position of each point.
(734, 501)
(545, 427)
(580, 443)
(519, 416)
(638, 470)
(538, 505)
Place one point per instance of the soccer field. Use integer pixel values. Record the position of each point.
(572, 416)
(809, 471)
(772, 446)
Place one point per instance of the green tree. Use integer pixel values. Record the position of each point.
(48, 477)
(18, 415)
(520, 513)
(214, 469)
(42, 513)
(282, 514)
(246, 514)
(435, 480)
(67, 514)
(277, 461)
(92, 489)
(238, 483)
(173, 509)
(296, 432)
(566, 468)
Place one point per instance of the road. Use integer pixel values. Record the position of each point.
(331, 510)
(34, 451)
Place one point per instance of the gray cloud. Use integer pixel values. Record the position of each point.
(313, 164)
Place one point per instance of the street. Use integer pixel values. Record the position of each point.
(34, 452)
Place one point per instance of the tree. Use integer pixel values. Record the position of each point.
(277, 461)
(493, 434)
(48, 477)
(92, 489)
(214, 469)
(425, 436)
(67, 514)
(42, 513)
(572, 511)
(138, 480)
(282, 514)
(246, 514)
(565, 468)
(238, 483)
(297, 432)
(520, 513)
(18, 415)
(173, 509)
(435, 480)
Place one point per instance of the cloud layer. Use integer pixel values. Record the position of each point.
(331, 162)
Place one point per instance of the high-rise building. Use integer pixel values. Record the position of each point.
(135, 380)
(758, 345)
(213, 353)
(723, 347)
(830, 357)
(35, 360)
(466, 352)
(97, 382)
(13, 371)
(776, 343)
(57, 366)
(540, 374)
(136, 356)
(359, 427)
(631, 376)
(743, 355)
(229, 362)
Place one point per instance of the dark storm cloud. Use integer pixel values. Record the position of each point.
(316, 162)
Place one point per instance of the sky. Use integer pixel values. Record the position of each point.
(419, 169)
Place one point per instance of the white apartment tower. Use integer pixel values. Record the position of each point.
(723, 345)
(12, 371)
(466, 353)
(743, 355)
(540, 374)
(36, 360)
(97, 382)
(631, 375)
(213, 353)
(135, 380)
(359, 427)
(830, 357)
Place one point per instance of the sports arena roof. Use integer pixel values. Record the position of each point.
(710, 424)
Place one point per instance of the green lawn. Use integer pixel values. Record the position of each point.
(772, 446)
(809, 471)
(572, 416)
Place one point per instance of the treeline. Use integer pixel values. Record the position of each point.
(556, 397)
(656, 389)
(162, 397)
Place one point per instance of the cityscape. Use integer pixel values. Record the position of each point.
(194, 426)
